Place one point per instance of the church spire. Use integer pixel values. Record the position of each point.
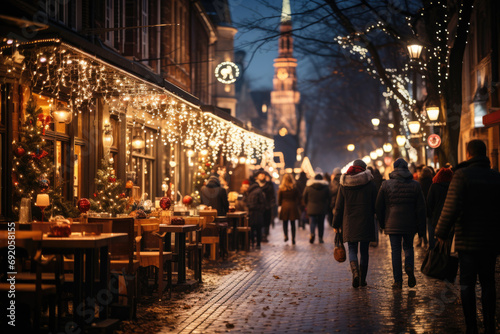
(286, 39)
(286, 12)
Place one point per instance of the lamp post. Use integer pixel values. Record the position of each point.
(401, 140)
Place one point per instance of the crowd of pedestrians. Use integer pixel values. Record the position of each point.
(452, 203)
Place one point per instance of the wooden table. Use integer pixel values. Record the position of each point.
(180, 242)
(236, 218)
(85, 290)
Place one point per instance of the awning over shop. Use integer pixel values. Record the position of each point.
(493, 118)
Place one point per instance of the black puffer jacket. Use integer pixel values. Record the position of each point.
(472, 207)
(212, 194)
(317, 197)
(255, 201)
(400, 204)
(355, 207)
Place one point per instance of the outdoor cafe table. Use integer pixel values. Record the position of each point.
(180, 242)
(236, 218)
(84, 284)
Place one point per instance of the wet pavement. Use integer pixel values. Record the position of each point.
(285, 288)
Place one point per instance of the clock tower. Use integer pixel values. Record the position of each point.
(284, 117)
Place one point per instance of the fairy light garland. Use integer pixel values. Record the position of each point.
(66, 73)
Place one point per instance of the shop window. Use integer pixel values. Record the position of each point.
(109, 22)
(141, 158)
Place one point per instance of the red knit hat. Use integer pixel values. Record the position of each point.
(443, 175)
(245, 182)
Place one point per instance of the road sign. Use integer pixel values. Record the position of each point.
(434, 140)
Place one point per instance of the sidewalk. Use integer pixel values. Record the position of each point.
(302, 289)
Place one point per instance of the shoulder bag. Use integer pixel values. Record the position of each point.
(339, 250)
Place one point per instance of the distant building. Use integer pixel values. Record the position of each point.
(284, 120)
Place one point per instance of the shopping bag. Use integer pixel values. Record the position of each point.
(438, 263)
(339, 250)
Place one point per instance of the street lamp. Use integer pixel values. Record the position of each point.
(387, 147)
(351, 147)
(375, 122)
(401, 140)
(432, 113)
(414, 50)
(373, 155)
(380, 152)
(414, 127)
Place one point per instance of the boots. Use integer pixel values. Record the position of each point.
(355, 274)
(311, 238)
(364, 271)
(411, 277)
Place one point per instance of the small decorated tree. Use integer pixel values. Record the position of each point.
(33, 167)
(110, 195)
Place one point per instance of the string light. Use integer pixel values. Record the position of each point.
(64, 72)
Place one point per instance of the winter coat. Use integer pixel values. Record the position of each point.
(256, 203)
(355, 207)
(425, 184)
(212, 194)
(436, 196)
(317, 197)
(289, 201)
(400, 204)
(471, 206)
(268, 190)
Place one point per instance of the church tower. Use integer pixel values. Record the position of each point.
(284, 114)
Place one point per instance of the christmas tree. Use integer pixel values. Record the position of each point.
(33, 167)
(205, 169)
(110, 194)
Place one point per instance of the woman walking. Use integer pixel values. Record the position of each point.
(435, 200)
(355, 216)
(288, 201)
(401, 213)
(317, 200)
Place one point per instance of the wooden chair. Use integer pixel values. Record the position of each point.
(210, 238)
(123, 262)
(194, 247)
(154, 256)
(243, 235)
(29, 260)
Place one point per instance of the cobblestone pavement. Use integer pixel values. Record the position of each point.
(302, 289)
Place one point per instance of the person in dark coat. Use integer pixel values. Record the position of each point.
(471, 207)
(435, 200)
(401, 213)
(377, 179)
(256, 204)
(425, 180)
(288, 200)
(317, 200)
(355, 216)
(334, 189)
(301, 185)
(212, 194)
(268, 190)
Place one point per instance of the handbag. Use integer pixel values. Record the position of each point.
(339, 250)
(438, 263)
